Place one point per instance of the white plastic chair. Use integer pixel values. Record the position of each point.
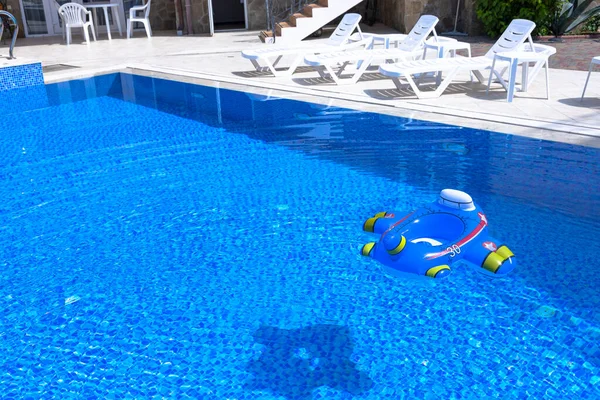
(133, 17)
(74, 15)
(595, 60)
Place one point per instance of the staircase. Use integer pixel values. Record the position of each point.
(308, 19)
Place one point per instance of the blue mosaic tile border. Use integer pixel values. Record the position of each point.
(20, 76)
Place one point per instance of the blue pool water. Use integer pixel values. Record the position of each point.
(167, 240)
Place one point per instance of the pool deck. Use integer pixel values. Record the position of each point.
(561, 118)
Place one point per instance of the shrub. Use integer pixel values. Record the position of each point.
(566, 15)
(591, 25)
(495, 15)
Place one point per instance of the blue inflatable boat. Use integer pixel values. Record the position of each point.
(432, 238)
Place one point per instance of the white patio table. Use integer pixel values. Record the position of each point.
(105, 7)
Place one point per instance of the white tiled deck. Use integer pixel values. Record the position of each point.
(562, 118)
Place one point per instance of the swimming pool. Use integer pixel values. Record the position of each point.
(162, 239)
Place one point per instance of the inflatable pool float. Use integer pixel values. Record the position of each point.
(432, 238)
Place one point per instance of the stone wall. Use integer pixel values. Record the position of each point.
(257, 14)
(468, 21)
(200, 18)
(162, 15)
(15, 9)
(390, 12)
(402, 14)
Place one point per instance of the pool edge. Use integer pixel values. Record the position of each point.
(580, 135)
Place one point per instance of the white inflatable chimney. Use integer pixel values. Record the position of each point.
(456, 199)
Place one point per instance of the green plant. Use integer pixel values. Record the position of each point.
(497, 14)
(567, 15)
(592, 24)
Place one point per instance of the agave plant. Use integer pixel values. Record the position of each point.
(569, 14)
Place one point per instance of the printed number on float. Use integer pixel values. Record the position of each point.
(453, 250)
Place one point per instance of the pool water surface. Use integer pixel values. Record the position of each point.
(167, 240)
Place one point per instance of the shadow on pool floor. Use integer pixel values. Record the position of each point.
(297, 361)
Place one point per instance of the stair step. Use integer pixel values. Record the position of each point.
(295, 17)
(308, 26)
(266, 36)
(308, 9)
(280, 26)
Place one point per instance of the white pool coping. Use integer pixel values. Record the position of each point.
(217, 61)
(6, 62)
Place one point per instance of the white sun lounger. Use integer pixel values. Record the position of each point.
(515, 35)
(339, 40)
(410, 47)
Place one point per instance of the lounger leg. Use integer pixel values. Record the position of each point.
(342, 68)
(332, 74)
(322, 72)
(397, 83)
(487, 90)
(445, 83)
(270, 66)
(534, 71)
(360, 71)
(511, 80)
(500, 77)
(428, 95)
(587, 80)
(469, 54)
(257, 66)
(547, 81)
(413, 86)
(277, 61)
(525, 77)
(438, 76)
(295, 64)
(479, 76)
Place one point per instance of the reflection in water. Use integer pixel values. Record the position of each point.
(297, 361)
